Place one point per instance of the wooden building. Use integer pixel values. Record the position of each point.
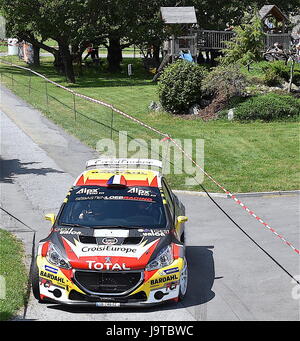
(274, 20)
(275, 28)
(180, 23)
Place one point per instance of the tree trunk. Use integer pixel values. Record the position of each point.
(76, 52)
(58, 63)
(156, 57)
(36, 55)
(67, 62)
(114, 55)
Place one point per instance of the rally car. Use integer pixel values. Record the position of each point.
(117, 240)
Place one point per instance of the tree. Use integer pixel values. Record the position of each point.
(247, 44)
(214, 14)
(63, 21)
(67, 22)
(127, 22)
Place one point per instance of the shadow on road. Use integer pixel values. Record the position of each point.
(201, 275)
(10, 168)
(201, 279)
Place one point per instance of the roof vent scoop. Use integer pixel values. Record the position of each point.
(116, 181)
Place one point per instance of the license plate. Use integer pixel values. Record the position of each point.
(107, 304)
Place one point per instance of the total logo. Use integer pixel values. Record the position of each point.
(93, 265)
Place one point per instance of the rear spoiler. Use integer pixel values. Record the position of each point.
(122, 163)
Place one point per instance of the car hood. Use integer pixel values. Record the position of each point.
(111, 248)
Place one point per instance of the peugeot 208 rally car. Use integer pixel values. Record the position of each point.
(118, 239)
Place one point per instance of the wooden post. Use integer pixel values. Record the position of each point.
(29, 84)
(111, 124)
(46, 90)
(173, 47)
(74, 106)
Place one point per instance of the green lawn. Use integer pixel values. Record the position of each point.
(13, 274)
(247, 157)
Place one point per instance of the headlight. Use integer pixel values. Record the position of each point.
(55, 257)
(164, 258)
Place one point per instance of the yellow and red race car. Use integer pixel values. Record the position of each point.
(118, 240)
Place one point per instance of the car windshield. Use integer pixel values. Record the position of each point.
(97, 206)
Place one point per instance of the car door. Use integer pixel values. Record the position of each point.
(175, 207)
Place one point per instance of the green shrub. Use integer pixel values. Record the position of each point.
(268, 107)
(180, 86)
(296, 77)
(271, 78)
(277, 71)
(228, 81)
(247, 43)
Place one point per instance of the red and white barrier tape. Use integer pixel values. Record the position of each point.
(232, 196)
(166, 137)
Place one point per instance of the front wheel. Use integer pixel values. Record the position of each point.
(35, 284)
(183, 283)
(35, 281)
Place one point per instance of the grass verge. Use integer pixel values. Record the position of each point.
(13, 275)
(244, 157)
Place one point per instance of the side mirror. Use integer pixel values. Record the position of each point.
(51, 217)
(182, 219)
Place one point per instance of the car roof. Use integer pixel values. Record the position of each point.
(133, 177)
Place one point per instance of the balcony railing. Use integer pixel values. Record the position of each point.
(215, 40)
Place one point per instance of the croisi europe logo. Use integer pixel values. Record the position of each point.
(82, 250)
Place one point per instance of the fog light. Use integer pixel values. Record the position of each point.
(57, 293)
(159, 295)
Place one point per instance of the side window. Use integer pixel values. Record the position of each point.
(168, 198)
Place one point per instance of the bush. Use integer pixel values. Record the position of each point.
(277, 71)
(227, 81)
(268, 107)
(180, 86)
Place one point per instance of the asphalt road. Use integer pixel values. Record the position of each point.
(230, 278)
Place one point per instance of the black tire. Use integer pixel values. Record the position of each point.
(35, 281)
(183, 287)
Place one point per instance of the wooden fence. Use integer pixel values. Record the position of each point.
(215, 40)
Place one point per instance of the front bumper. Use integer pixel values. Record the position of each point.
(62, 286)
